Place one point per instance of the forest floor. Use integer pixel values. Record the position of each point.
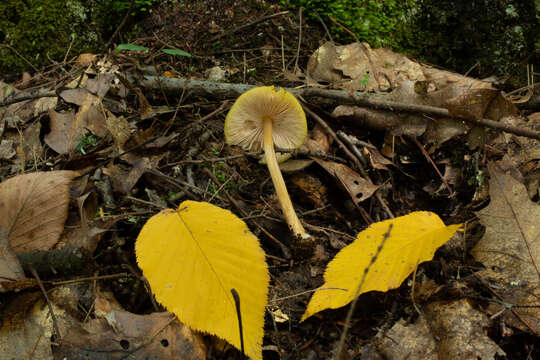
(140, 143)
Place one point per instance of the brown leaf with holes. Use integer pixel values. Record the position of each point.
(120, 333)
(358, 188)
(510, 250)
(34, 208)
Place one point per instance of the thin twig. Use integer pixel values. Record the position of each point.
(49, 304)
(19, 55)
(91, 278)
(24, 98)
(299, 40)
(144, 202)
(345, 138)
(173, 181)
(220, 109)
(348, 319)
(430, 160)
(356, 162)
(344, 28)
(257, 154)
(121, 25)
(324, 25)
(375, 101)
(245, 26)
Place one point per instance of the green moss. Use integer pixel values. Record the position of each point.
(373, 21)
(495, 36)
(41, 31)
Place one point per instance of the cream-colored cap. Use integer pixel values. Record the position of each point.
(244, 122)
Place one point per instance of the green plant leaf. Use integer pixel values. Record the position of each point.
(176, 52)
(130, 47)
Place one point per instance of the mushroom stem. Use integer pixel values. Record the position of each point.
(279, 183)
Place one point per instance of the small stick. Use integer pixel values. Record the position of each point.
(426, 155)
(299, 40)
(356, 162)
(172, 181)
(19, 55)
(374, 101)
(91, 278)
(24, 98)
(220, 109)
(121, 25)
(344, 28)
(55, 323)
(294, 152)
(245, 26)
(236, 298)
(353, 147)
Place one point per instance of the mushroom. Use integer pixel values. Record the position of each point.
(260, 118)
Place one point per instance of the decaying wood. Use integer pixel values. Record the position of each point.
(375, 101)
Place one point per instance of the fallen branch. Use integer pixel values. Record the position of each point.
(376, 101)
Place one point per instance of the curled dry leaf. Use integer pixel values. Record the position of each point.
(358, 188)
(510, 249)
(357, 66)
(34, 208)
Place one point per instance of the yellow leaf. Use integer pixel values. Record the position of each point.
(413, 239)
(193, 257)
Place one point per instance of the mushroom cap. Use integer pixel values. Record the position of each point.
(244, 122)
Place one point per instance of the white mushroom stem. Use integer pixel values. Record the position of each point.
(279, 183)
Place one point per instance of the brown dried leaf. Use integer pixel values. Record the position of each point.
(26, 329)
(85, 59)
(510, 249)
(10, 268)
(460, 329)
(119, 333)
(34, 208)
(382, 120)
(415, 341)
(77, 96)
(119, 129)
(6, 149)
(471, 104)
(31, 143)
(91, 115)
(122, 180)
(100, 85)
(376, 159)
(65, 132)
(357, 66)
(358, 188)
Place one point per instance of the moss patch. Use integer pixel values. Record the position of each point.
(494, 36)
(40, 30)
